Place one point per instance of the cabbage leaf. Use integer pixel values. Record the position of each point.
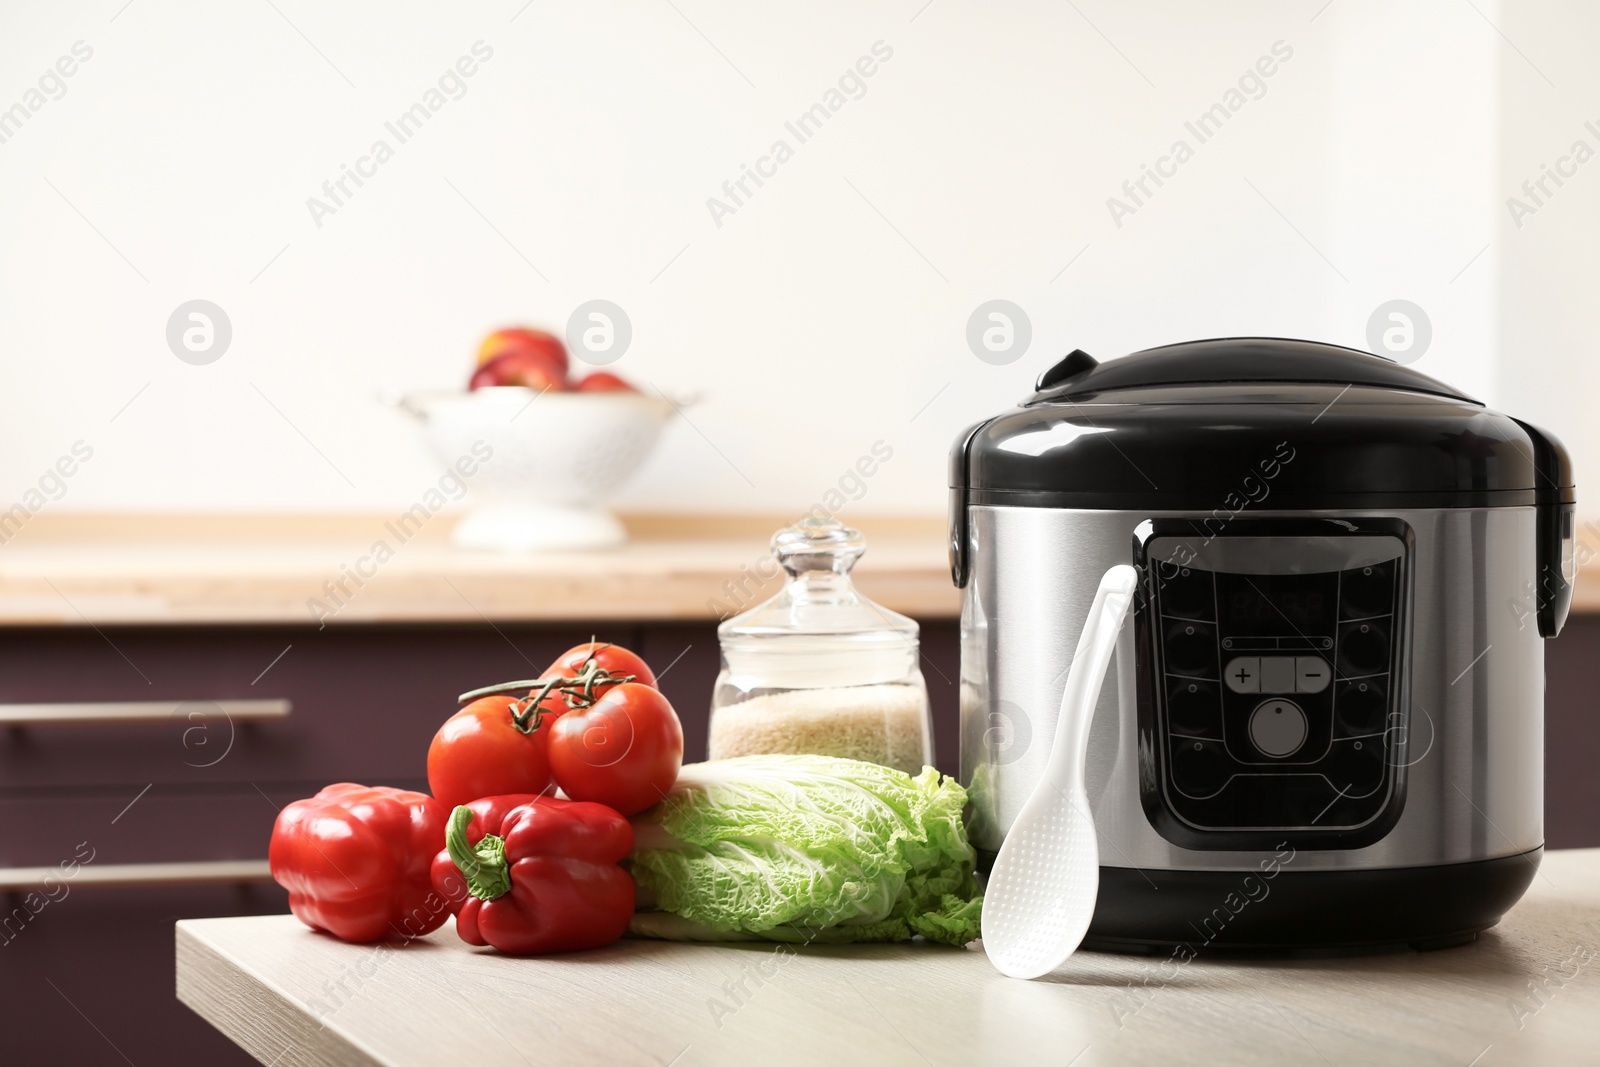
(806, 849)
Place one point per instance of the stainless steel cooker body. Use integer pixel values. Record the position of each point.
(1330, 692)
(1462, 744)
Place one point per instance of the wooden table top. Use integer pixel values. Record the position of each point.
(1524, 993)
(102, 570)
(77, 570)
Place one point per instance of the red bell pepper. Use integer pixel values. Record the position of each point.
(536, 875)
(355, 860)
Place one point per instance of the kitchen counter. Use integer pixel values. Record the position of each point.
(78, 570)
(1523, 993)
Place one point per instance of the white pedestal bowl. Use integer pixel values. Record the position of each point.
(553, 461)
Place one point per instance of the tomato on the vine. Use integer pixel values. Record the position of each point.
(594, 667)
(494, 745)
(607, 733)
(608, 660)
(623, 751)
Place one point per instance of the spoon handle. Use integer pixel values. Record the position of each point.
(1088, 671)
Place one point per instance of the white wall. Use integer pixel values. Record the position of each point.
(1548, 369)
(592, 139)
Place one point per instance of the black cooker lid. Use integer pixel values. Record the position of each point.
(1232, 361)
(1278, 423)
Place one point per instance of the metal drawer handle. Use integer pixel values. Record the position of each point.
(140, 711)
(122, 875)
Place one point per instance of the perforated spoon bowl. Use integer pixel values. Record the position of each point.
(1041, 892)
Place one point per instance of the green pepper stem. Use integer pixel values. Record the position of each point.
(485, 868)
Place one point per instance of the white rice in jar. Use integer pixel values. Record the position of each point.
(874, 723)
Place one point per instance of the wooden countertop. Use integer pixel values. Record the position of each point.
(78, 570)
(293, 997)
(104, 570)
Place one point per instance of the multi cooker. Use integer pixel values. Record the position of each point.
(1324, 724)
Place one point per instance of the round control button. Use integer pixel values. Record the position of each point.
(1191, 650)
(1199, 768)
(1363, 649)
(1278, 727)
(1193, 709)
(1184, 592)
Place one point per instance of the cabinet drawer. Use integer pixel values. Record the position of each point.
(363, 703)
(87, 981)
(139, 826)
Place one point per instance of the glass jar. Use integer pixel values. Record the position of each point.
(820, 669)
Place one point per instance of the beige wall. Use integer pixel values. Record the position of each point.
(827, 313)
(1549, 366)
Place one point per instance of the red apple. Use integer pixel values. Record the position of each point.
(547, 346)
(519, 368)
(604, 382)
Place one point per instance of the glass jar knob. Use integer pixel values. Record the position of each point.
(812, 546)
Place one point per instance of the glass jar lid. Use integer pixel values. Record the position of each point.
(819, 629)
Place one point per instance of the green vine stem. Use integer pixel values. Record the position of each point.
(577, 692)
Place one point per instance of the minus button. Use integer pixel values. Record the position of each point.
(1311, 674)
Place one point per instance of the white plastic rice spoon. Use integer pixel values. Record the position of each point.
(1041, 892)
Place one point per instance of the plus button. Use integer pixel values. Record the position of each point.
(1243, 674)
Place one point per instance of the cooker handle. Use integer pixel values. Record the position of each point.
(960, 480)
(958, 537)
(1555, 503)
(1073, 364)
(1067, 368)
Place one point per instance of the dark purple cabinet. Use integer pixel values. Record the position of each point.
(196, 788)
(1572, 735)
(200, 787)
(91, 974)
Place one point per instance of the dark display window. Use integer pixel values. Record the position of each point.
(1272, 697)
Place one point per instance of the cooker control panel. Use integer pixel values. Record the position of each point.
(1270, 664)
